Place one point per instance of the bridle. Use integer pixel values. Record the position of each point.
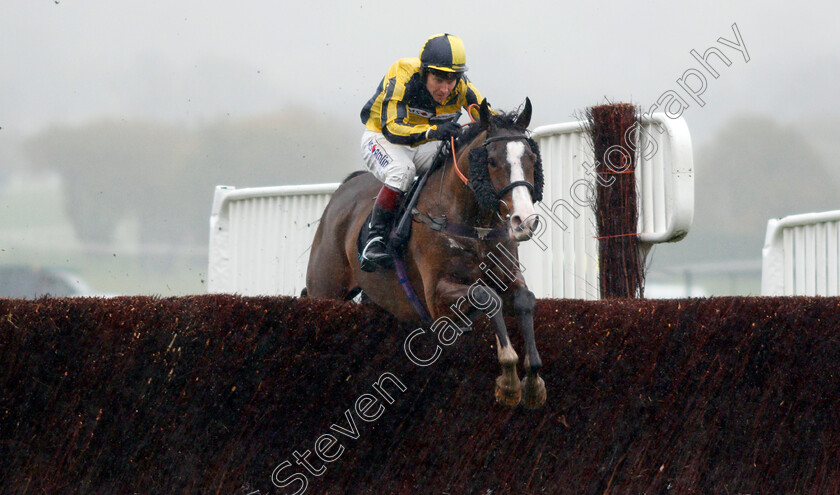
(442, 224)
(499, 194)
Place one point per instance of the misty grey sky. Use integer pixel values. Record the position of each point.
(197, 61)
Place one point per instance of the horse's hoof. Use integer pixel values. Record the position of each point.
(533, 390)
(508, 391)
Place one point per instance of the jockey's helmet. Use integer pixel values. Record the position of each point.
(444, 53)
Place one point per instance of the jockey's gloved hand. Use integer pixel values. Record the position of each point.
(443, 131)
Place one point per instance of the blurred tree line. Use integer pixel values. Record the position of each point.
(756, 169)
(164, 175)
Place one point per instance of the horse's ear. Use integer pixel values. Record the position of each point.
(484, 113)
(524, 118)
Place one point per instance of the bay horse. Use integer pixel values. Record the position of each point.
(464, 232)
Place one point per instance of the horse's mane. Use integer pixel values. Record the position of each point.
(354, 174)
(502, 120)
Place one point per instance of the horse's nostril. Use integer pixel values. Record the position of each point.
(519, 225)
(532, 223)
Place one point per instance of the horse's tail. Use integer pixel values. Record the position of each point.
(354, 174)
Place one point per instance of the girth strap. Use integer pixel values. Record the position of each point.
(442, 224)
(405, 283)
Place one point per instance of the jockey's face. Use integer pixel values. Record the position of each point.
(439, 87)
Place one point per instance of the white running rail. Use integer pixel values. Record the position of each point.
(801, 255)
(260, 238)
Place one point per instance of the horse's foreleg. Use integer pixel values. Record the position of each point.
(482, 299)
(508, 386)
(533, 386)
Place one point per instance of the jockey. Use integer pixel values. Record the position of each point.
(400, 134)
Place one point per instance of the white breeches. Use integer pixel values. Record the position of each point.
(395, 164)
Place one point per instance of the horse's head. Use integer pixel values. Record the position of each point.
(505, 170)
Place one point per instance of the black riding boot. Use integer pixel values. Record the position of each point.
(375, 253)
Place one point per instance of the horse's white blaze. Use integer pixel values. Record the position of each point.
(522, 218)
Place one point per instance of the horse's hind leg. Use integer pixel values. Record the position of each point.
(533, 386)
(328, 275)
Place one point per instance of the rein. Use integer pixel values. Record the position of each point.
(455, 163)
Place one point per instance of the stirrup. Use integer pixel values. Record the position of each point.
(383, 259)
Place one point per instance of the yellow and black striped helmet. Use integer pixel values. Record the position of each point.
(444, 52)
